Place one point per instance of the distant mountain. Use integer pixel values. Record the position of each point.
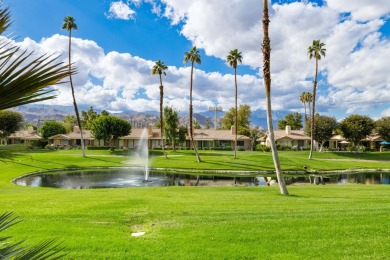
(33, 113)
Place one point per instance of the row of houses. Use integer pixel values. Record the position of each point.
(298, 139)
(204, 138)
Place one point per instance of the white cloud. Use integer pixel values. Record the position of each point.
(355, 64)
(362, 10)
(121, 10)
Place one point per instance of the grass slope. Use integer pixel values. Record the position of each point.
(328, 222)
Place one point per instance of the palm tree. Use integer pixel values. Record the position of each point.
(266, 47)
(193, 56)
(302, 98)
(316, 51)
(23, 81)
(309, 99)
(159, 68)
(69, 25)
(234, 58)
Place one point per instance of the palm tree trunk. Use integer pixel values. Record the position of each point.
(191, 128)
(74, 98)
(161, 117)
(267, 84)
(236, 123)
(313, 113)
(304, 105)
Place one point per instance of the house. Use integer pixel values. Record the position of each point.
(204, 138)
(23, 136)
(210, 138)
(288, 137)
(73, 139)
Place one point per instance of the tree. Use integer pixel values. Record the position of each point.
(382, 126)
(159, 68)
(69, 25)
(255, 133)
(182, 134)
(233, 59)
(50, 128)
(243, 116)
(110, 128)
(356, 127)
(266, 47)
(316, 51)
(293, 119)
(23, 81)
(309, 100)
(171, 124)
(193, 56)
(323, 129)
(69, 121)
(196, 125)
(88, 117)
(10, 122)
(302, 98)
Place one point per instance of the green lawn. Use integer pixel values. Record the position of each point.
(315, 222)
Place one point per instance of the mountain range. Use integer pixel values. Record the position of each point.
(37, 114)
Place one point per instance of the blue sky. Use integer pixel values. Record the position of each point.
(117, 42)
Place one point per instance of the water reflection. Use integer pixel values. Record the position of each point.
(124, 178)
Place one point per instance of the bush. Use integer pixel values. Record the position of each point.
(240, 148)
(98, 148)
(264, 148)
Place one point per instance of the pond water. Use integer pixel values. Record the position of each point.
(124, 178)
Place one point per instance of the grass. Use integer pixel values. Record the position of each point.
(315, 222)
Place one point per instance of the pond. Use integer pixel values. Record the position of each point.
(134, 177)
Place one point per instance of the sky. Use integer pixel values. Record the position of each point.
(117, 43)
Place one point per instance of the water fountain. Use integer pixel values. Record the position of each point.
(143, 153)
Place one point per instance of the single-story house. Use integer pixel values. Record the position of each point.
(73, 139)
(23, 136)
(288, 137)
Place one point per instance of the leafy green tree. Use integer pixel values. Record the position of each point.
(356, 127)
(293, 119)
(316, 51)
(382, 126)
(243, 116)
(69, 25)
(323, 130)
(194, 57)
(104, 113)
(110, 128)
(50, 128)
(159, 68)
(182, 134)
(10, 122)
(233, 59)
(266, 47)
(196, 125)
(171, 124)
(88, 117)
(69, 121)
(255, 133)
(24, 79)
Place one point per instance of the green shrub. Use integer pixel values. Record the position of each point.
(98, 148)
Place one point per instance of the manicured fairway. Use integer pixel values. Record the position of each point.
(315, 222)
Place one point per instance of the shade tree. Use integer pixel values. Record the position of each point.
(323, 129)
(356, 127)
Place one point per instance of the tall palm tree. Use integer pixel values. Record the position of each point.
(309, 100)
(159, 68)
(23, 81)
(316, 51)
(69, 25)
(193, 56)
(302, 98)
(266, 46)
(234, 58)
